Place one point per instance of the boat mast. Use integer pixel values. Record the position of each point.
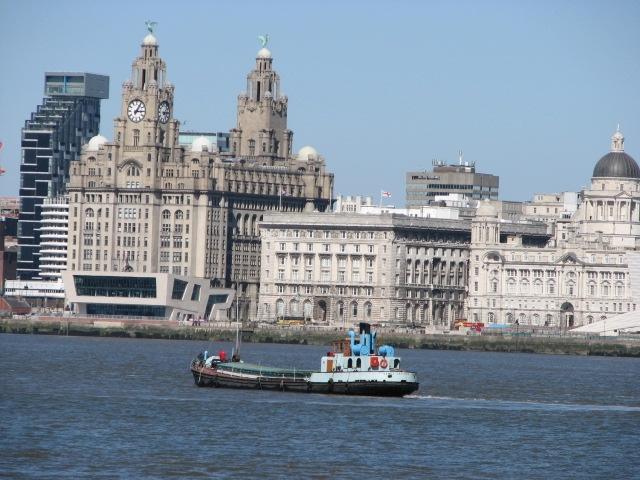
(236, 355)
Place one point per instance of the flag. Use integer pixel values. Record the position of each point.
(385, 194)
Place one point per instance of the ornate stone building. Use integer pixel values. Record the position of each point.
(340, 269)
(144, 203)
(580, 273)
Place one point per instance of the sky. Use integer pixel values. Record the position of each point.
(530, 90)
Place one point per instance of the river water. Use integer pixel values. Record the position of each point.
(75, 407)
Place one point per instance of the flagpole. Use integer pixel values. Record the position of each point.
(380, 198)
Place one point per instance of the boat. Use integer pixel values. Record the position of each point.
(353, 367)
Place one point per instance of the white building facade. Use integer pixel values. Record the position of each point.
(340, 269)
(580, 273)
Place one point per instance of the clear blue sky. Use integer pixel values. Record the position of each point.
(529, 90)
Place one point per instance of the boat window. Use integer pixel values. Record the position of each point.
(350, 363)
(396, 363)
(358, 363)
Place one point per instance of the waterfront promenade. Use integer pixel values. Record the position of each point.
(521, 339)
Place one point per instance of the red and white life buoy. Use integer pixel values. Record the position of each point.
(384, 363)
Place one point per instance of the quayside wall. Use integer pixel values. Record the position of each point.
(525, 343)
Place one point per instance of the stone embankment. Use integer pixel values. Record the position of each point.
(131, 328)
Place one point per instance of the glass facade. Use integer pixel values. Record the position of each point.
(195, 295)
(179, 286)
(111, 286)
(125, 310)
(212, 300)
(52, 138)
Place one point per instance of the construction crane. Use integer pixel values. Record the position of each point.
(2, 170)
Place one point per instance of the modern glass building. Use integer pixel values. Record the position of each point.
(52, 138)
(156, 295)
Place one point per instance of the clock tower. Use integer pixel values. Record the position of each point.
(146, 129)
(261, 131)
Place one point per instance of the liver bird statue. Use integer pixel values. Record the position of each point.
(150, 25)
(263, 39)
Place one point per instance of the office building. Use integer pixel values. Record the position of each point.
(143, 203)
(580, 274)
(51, 140)
(462, 178)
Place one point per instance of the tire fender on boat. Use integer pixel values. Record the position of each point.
(330, 382)
(384, 363)
(309, 386)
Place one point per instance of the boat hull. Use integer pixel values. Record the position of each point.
(210, 377)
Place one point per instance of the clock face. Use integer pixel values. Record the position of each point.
(163, 112)
(136, 110)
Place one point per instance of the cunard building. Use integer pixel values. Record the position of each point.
(142, 202)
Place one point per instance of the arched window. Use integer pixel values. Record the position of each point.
(536, 319)
(294, 308)
(354, 309)
(549, 320)
(89, 213)
(136, 137)
(367, 310)
(605, 289)
(340, 310)
(524, 287)
(522, 318)
(619, 290)
(551, 287)
(492, 317)
(537, 287)
(280, 307)
(307, 309)
(166, 214)
(179, 215)
(589, 319)
(592, 289)
(511, 285)
(358, 362)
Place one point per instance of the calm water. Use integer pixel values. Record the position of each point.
(123, 408)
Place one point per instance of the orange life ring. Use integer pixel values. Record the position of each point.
(383, 363)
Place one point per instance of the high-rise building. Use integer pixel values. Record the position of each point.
(462, 178)
(54, 237)
(51, 141)
(144, 203)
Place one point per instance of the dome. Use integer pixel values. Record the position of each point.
(307, 153)
(617, 163)
(150, 39)
(200, 144)
(486, 209)
(95, 143)
(264, 53)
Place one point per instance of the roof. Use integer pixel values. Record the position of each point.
(616, 164)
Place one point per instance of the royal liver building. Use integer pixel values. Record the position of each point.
(143, 203)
